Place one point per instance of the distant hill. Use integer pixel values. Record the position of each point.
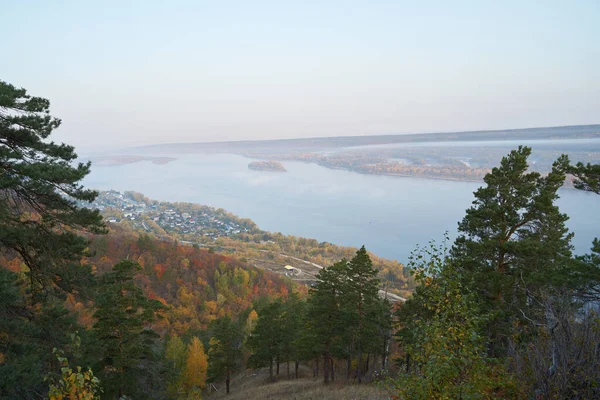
(319, 143)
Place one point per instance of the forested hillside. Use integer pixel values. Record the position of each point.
(89, 311)
(226, 233)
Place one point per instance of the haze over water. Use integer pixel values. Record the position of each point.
(389, 215)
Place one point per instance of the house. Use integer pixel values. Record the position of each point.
(289, 270)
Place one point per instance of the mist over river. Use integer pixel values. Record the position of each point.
(389, 215)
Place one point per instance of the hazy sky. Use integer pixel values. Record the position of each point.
(136, 72)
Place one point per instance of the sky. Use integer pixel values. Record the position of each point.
(122, 73)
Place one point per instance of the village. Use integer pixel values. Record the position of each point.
(180, 218)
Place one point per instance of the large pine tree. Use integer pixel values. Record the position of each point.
(514, 243)
(40, 223)
(39, 187)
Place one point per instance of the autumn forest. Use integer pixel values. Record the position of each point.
(93, 309)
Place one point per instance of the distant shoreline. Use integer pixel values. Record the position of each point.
(118, 160)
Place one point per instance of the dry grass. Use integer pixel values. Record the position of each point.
(256, 386)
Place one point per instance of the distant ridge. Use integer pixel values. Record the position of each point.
(309, 144)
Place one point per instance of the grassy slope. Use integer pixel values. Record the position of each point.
(256, 386)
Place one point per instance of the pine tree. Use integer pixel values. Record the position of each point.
(125, 340)
(293, 314)
(224, 354)
(325, 314)
(266, 340)
(39, 190)
(360, 300)
(514, 242)
(587, 177)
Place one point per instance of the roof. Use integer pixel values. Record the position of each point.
(288, 267)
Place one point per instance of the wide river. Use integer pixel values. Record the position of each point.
(389, 215)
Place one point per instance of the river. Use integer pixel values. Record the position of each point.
(389, 215)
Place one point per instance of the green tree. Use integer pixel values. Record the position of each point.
(175, 353)
(440, 329)
(325, 312)
(125, 339)
(360, 302)
(587, 177)
(39, 190)
(266, 340)
(292, 323)
(28, 333)
(224, 354)
(513, 242)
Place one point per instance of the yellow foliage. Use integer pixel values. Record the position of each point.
(194, 375)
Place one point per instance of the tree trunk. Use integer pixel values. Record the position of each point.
(348, 367)
(332, 370)
(297, 365)
(359, 367)
(385, 353)
(288, 369)
(317, 365)
(326, 368)
(367, 365)
(271, 369)
(227, 382)
(277, 361)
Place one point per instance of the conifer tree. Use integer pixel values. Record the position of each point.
(513, 241)
(125, 339)
(40, 222)
(325, 313)
(266, 340)
(587, 177)
(360, 300)
(294, 310)
(39, 190)
(224, 354)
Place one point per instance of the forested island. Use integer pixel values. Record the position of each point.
(272, 166)
(92, 309)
